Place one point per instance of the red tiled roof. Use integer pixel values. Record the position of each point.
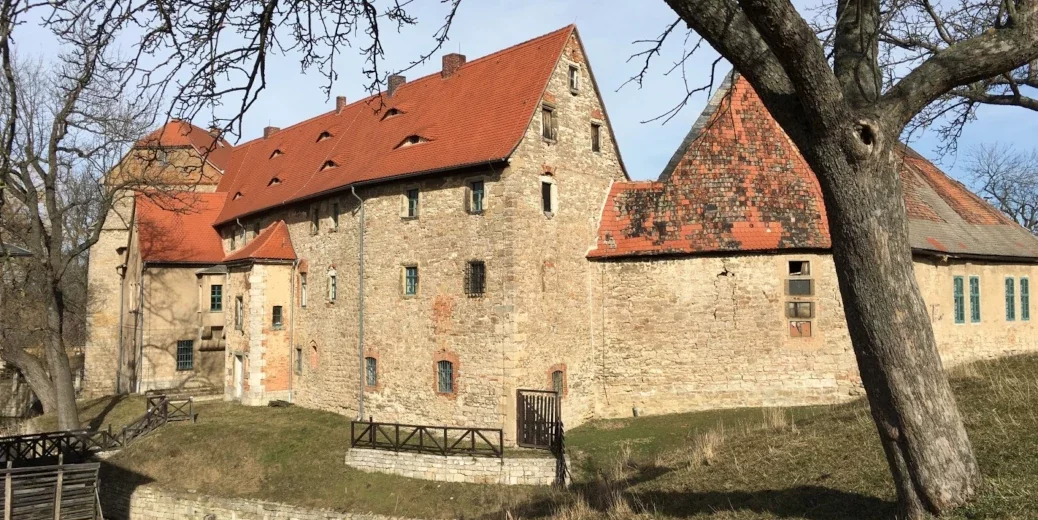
(738, 183)
(182, 134)
(477, 115)
(273, 243)
(177, 227)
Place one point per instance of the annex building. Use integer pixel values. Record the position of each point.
(423, 254)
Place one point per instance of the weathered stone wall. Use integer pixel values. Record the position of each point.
(129, 502)
(711, 332)
(541, 471)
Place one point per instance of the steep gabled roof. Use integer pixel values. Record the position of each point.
(182, 134)
(477, 115)
(738, 183)
(176, 227)
(273, 243)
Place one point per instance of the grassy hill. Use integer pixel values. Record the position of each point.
(812, 462)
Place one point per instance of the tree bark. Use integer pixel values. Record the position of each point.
(927, 448)
(58, 364)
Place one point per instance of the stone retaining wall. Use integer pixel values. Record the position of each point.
(129, 502)
(540, 471)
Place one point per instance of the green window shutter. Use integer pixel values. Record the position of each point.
(1010, 300)
(960, 304)
(975, 299)
(1025, 299)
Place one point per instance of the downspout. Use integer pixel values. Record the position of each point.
(139, 369)
(360, 309)
(122, 309)
(293, 287)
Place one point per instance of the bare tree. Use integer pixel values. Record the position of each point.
(1008, 179)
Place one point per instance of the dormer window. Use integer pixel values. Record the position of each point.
(391, 113)
(237, 196)
(328, 164)
(274, 182)
(324, 135)
(412, 140)
(276, 153)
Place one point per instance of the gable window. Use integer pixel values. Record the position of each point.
(475, 278)
(445, 377)
(335, 215)
(558, 382)
(477, 192)
(185, 354)
(596, 137)
(215, 298)
(549, 123)
(315, 220)
(277, 318)
(975, 299)
(1025, 299)
(548, 197)
(332, 286)
(1010, 300)
(411, 199)
(574, 79)
(370, 371)
(239, 312)
(302, 290)
(410, 280)
(959, 300)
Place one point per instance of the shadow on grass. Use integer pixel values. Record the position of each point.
(97, 421)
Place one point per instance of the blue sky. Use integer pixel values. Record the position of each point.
(608, 28)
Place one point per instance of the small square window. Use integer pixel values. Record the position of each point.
(799, 268)
(574, 79)
(802, 310)
(410, 280)
(185, 354)
(412, 203)
(215, 298)
(549, 124)
(475, 278)
(277, 318)
(800, 287)
(477, 194)
(596, 137)
(800, 329)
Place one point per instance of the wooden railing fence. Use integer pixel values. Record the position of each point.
(439, 440)
(79, 444)
(61, 492)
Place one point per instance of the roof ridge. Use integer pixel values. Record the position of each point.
(700, 124)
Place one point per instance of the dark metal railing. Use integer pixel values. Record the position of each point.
(439, 440)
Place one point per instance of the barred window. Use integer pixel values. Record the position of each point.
(412, 203)
(215, 298)
(975, 299)
(558, 382)
(370, 371)
(410, 280)
(239, 313)
(277, 318)
(1010, 300)
(445, 377)
(475, 278)
(185, 354)
(959, 300)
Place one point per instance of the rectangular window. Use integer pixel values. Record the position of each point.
(410, 280)
(277, 319)
(549, 126)
(370, 371)
(445, 377)
(476, 189)
(800, 329)
(1010, 300)
(803, 310)
(574, 79)
(799, 268)
(215, 298)
(800, 287)
(475, 278)
(412, 203)
(332, 287)
(975, 299)
(302, 290)
(299, 360)
(547, 204)
(959, 300)
(185, 354)
(596, 137)
(335, 215)
(558, 382)
(239, 312)
(1025, 299)
(315, 220)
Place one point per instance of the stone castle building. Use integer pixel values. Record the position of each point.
(421, 255)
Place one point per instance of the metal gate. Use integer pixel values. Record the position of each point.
(538, 419)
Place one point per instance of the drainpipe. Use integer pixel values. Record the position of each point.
(360, 310)
(139, 369)
(293, 287)
(119, 366)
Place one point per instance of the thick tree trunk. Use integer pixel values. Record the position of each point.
(925, 441)
(58, 364)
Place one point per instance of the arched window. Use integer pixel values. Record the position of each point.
(370, 371)
(445, 377)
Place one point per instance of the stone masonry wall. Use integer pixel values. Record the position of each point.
(476, 470)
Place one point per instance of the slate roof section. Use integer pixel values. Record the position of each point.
(478, 115)
(738, 184)
(176, 227)
(273, 243)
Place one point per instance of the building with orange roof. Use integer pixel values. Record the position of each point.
(425, 255)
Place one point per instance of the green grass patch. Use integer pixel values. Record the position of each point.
(117, 411)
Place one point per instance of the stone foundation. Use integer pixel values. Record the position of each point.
(476, 470)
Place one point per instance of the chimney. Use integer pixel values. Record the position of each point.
(395, 81)
(340, 103)
(451, 63)
(269, 131)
